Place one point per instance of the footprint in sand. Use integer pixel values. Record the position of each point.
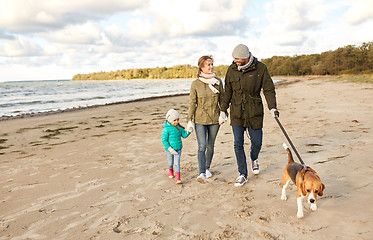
(2, 146)
(122, 221)
(244, 213)
(332, 159)
(268, 235)
(229, 232)
(52, 133)
(246, 199)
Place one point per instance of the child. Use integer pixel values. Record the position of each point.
(171, 139)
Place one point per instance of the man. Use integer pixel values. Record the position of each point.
(245, 79)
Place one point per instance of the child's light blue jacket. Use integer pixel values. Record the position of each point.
(171, 137)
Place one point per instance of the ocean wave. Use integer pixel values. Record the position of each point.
(44, 96)
(29, 97)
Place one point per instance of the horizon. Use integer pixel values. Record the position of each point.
(71, 79)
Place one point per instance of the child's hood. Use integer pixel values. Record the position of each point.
(167, 124)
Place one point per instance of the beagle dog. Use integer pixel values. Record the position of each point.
(305, 178)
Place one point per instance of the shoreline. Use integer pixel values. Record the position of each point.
(284, 81)
(46, 113)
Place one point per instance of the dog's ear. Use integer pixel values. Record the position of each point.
(321, 192)
(302, 188)
(301, 182)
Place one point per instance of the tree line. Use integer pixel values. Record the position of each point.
(179, 71)
(350, 59)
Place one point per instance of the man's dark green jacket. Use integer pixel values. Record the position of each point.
(242, 94)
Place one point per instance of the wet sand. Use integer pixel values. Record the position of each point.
(101, 173)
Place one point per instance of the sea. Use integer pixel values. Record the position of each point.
(19, 98)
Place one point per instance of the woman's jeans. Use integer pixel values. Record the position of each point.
(256, 137)
(206, 135)
(174, 160)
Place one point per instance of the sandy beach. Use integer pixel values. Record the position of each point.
(101, 173)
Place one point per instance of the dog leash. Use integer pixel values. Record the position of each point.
(291, 143)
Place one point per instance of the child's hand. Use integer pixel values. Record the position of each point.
(223, 118)
(190, 127)
(172, 151)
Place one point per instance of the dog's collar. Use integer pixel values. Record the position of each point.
(305, 171)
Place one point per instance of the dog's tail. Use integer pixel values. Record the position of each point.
(290, 156)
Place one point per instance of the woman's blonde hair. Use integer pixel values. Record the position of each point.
(201, 63)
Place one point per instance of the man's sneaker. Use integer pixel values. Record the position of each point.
(241, 180)
(255, 166)
(201, 178)
(208, 173)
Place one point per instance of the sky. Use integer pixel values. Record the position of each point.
(56, 39)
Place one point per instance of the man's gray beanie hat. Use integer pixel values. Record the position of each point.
(241, 51)
(172, 114)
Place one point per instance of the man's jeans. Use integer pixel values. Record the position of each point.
(206, 135)
(256, 136)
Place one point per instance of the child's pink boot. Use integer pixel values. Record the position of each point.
(170, 173)
(177, 178)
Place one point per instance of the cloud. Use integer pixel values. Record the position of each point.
(87, 33)
(120, 38)
(76, 26)
(141, 28)
(174, 18)
(297, 27)
(289, 23)
(359, 11)
(5, 35)
(156, 52)
(19, 47)
(22, 16)
(296, 14)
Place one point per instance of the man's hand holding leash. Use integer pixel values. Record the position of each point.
(275, 113)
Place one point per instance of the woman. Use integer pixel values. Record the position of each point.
(204, 110)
